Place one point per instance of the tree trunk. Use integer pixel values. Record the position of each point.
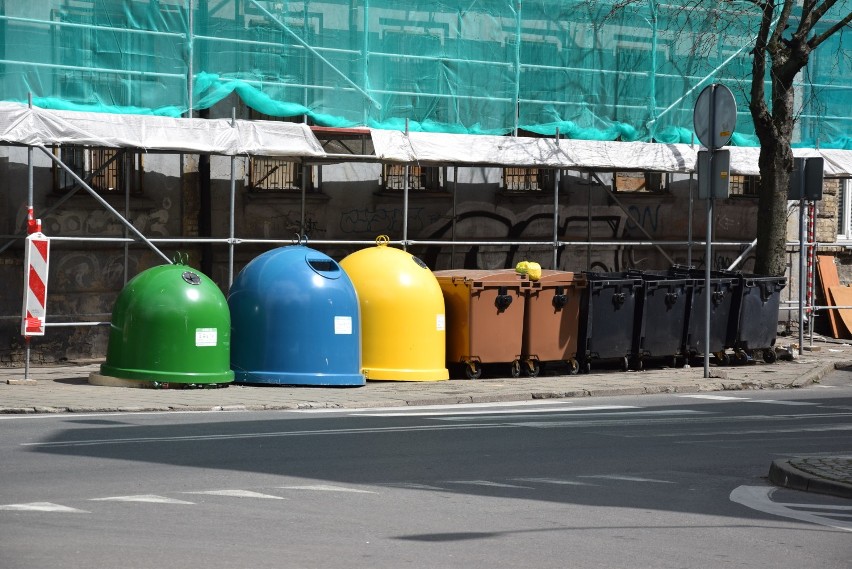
(775, 160)
(774, 129)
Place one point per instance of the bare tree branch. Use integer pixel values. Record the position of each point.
(817, 40)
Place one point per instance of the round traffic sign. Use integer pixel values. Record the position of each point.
(715, 116)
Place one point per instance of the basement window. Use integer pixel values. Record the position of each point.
(106, 170)
(420, 178)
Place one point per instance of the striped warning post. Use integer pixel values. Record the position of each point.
(35, 284)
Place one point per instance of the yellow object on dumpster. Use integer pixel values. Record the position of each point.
(529, 268)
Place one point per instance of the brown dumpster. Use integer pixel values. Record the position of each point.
(551, 321)
(485, 318)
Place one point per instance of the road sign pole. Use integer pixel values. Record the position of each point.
(714, 119)
(801, 272)
(708, 260)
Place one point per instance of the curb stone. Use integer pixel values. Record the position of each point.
(783, 472)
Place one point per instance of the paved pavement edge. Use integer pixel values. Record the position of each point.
(791, 473)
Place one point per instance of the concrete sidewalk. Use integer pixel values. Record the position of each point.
(66, 389)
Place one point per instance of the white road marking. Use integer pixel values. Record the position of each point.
(487, 483)
(747, 400)
(70, 416)
(360, 410)
(42, 507)
(626, 478)
(780, 402)
(496, 412)
(715, 397)
(327, 488)
(238, 494)
(414, 486)
(760, 498)
(816, 506)
(554, 481)
(149, 498)
(237, 436)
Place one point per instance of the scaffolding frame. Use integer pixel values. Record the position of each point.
(232, 241)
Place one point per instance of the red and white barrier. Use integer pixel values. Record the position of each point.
(35, 283)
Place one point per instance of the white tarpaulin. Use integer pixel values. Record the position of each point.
(20, 124)
(507, 151)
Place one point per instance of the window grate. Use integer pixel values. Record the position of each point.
(528, 179)
(420, 178)
(105, 168)
(275, 175)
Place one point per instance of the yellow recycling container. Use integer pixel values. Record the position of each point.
(402, 314)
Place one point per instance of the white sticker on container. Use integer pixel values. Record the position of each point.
(440, 323)
(205, 336)
(342, 324)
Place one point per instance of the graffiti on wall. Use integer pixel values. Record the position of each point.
(536, 224)
(380, 220)
(98, 222)
(290, 223)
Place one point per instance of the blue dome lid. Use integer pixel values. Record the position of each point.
(295, 320)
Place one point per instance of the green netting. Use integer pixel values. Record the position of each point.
(576, 66)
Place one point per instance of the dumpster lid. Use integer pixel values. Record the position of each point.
(484, 277)
(554, 277)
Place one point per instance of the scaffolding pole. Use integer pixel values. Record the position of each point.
(103, 202)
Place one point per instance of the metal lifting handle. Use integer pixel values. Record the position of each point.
(560, 299)
(503, 300)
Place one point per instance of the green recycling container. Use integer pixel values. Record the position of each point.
(170, 324)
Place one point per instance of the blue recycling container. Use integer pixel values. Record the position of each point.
(295, 321)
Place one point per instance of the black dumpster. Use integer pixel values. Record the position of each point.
(724, 288)
(663, 314)
(608, 311)
(754, 327)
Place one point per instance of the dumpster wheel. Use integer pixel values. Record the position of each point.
(722, 358)
(638, 363)
(769, 355)
(573, 366)
(473, 369)
(533, 367)
(515, 368)
(742, 357)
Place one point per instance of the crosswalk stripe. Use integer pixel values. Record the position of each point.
(626, 478)
(327, 488)
(554, 481)
(414, 486)
(238, 494)
(488, 483)
(42, 507)
(149, 498)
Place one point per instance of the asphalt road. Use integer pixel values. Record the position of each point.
(648, 481)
